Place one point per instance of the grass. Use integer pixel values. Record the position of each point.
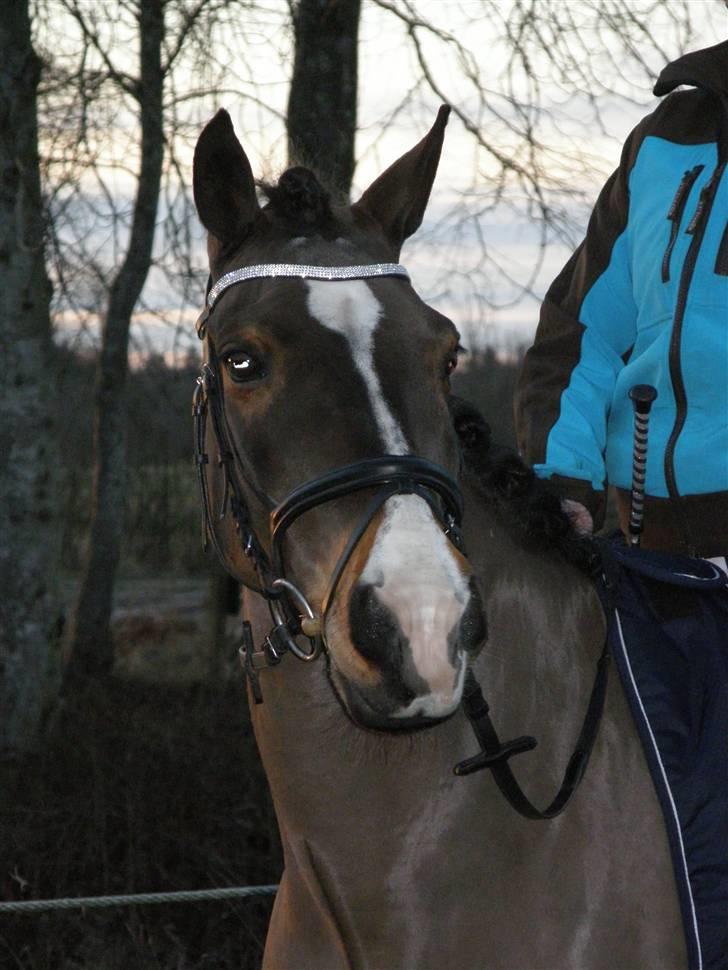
(139, 788)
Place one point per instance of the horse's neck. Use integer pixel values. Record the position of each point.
(320, 766)
(393, 861)
(546, 631)
(330, 779)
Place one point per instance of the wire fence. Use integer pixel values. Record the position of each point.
(135, 899)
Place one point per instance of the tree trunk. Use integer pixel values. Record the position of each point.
(322, 102)
(224, 602)
(89, 648)
(29, 521)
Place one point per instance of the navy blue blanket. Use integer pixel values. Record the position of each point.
(668, 634)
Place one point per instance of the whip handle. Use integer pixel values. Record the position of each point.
(642, 397)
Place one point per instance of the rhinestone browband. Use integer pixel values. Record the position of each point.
(301, 271)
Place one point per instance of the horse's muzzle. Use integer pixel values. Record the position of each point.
(415, 676)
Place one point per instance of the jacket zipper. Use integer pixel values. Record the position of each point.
(721, 260)
(675, 214)
(696, 228)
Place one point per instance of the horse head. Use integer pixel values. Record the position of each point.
(329, 462)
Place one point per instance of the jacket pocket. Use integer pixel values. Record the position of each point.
(675, 214)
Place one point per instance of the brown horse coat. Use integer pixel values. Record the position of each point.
(393, 863)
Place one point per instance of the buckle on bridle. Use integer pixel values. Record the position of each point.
(453, 532)
(253, 660)
(201, 323)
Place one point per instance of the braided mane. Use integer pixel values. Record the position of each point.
(528, 510)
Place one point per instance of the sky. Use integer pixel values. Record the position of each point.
(588, 122)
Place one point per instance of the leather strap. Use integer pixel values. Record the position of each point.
(495, 755)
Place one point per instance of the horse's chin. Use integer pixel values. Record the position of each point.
(376, 714)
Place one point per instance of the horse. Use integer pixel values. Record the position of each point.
(364, 512)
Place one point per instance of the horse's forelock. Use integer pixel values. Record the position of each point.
(301, 200)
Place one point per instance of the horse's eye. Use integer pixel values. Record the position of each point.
(243, 367)
(451, 361)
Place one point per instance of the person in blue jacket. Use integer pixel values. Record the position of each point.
(644, 300)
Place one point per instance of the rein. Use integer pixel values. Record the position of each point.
(388, 475)
(494, 754)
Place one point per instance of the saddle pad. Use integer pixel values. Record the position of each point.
(668, 634)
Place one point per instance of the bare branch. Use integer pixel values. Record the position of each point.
(123, 80)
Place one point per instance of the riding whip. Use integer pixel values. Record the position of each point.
(642, 396)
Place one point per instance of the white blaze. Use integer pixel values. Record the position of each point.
(411, 562)
(350, 308)
(412, 566)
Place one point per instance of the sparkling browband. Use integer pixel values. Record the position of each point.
(301, 271)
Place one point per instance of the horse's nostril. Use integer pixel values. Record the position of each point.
(405, 695)
(378, 635)
(473, 627)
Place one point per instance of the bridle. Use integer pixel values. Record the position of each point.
(386, 476)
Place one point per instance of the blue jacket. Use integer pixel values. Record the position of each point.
(644, 300)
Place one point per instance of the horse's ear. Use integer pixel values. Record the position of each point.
(223, 183)
(398, 198)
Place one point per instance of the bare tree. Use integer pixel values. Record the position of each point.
(120, 102)
(89, 645)
(29, 526)
(532, 83)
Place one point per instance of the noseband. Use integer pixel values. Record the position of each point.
(385, 476)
